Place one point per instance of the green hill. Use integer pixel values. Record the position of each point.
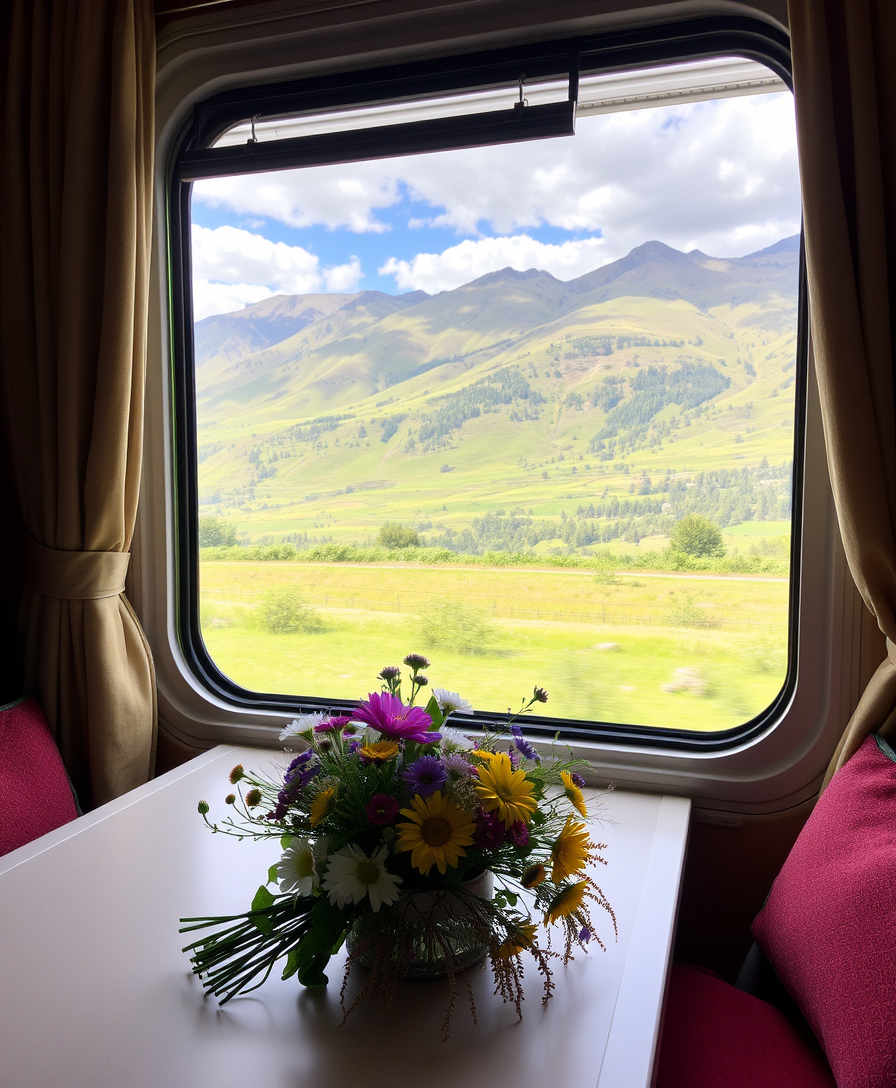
(514, 396)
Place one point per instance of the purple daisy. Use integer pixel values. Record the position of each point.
(425, 775)
(523, 746)
(518, 833)
(577, 779)
(381, 809)
(489, 831)
(388, 714)
(584, 935)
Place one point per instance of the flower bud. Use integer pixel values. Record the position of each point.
(203, 808)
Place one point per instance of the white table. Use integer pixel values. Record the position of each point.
(95, 992)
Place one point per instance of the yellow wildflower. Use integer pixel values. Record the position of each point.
(505, 791)
(570, 852)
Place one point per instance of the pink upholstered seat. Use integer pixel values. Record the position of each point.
(716, 1036)
(35, 795)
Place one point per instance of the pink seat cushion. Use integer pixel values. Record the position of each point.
(715, 1036)
(829, 926)
(35, 796)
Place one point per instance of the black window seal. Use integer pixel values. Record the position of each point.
(618, 50)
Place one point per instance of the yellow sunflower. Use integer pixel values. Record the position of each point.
(321, 805)
(533, 876)
(379, 751)
(566, 901)
(573, 792)
(436, 833)
(570, 852)
(505, 791)
(514, 945)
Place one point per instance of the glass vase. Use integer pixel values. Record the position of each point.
(437, 926)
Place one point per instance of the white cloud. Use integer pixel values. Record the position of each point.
(233, 267)
(223, 298)
(467, 261)
(344, 277)
(331, 196)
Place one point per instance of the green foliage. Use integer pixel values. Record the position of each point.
(697, 535)
(684, 613)
(393, 534)
(505, 386)
(690, 385)
(454, 626)
(282, 611)
(216, 533)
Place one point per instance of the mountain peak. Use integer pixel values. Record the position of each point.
(508, 274)
(785, 245)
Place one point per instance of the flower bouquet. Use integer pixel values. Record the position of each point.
(422, 851)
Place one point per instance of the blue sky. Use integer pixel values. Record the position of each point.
(718, 176)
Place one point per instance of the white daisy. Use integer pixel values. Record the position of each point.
(454, 741)
(297, 869)
(351, 875)
(450, 702)
(301, 725)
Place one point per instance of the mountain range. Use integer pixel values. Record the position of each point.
(305, 395)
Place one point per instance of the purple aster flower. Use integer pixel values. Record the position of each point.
(523, 746)
(514, 757)
(416, 661)
(282, 805)
(518, 833)
(577, 779)
(354, 745)
(330, 724)
(489, 831)
(426, 775)
(306, 775)
(390, 672)
(584, 935)
(381, 809)
(297, 764)
(458, 767)
(388, 714)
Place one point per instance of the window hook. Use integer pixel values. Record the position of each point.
(253, 138)
(518, 106)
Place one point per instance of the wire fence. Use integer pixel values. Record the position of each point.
(606, 615)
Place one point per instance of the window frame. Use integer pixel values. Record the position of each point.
(252, 716)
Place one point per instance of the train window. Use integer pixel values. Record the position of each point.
(528, 404)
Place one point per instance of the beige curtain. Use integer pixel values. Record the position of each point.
(844, 70)
(75, 188)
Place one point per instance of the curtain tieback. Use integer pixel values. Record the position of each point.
(76, 576)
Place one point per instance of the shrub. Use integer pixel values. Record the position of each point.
(697, 535)
(216, 533)
(684, 613)
(282, 610)
(450, 625)
(393, 534)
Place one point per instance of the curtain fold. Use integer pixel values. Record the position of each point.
(75, 185)
(845, 92)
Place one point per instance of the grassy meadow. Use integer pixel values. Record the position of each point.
(686, 651)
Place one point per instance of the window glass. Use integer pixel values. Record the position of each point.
(528, 409)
